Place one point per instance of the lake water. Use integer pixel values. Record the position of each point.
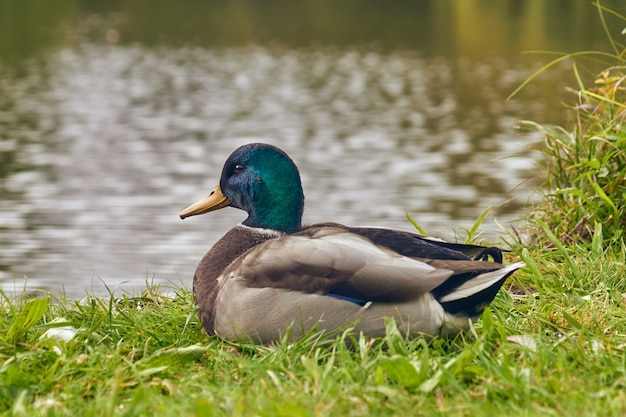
(113, 118)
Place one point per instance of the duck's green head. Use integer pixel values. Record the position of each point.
(261, 180)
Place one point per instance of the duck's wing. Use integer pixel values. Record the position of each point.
(416, 245)
(331, 260)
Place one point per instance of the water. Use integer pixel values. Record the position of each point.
(107, 132)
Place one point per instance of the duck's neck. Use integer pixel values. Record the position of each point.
(261, 232)
(280, 215)
(275, 226)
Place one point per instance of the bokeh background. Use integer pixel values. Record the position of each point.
(115, 115)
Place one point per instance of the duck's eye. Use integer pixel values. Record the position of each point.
(238, 168)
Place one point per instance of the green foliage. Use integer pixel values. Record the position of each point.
(586, 165)
(471, 235)
(556, 350)
(28, 316)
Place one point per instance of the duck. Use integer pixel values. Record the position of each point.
(271, 276)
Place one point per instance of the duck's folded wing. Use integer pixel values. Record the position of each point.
(339, 263)
(416, 245)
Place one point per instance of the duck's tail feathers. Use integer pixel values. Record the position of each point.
(470, 298)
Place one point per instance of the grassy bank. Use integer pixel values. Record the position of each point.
(557, 350)
(553, 344)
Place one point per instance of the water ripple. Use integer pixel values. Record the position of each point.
(108, 143)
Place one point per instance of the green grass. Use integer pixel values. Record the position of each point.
(558, 350)
(585, 165)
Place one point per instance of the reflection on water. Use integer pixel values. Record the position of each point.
(102, 145)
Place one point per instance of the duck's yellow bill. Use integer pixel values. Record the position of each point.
(214, 201)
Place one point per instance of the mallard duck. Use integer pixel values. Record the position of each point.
(270, 273)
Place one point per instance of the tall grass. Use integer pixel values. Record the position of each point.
(585, 177)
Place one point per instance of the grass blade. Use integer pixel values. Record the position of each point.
(414, 223)
(29, 315)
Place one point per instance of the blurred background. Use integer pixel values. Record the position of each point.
(115, 115)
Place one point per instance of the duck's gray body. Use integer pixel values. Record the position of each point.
(256, 283)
